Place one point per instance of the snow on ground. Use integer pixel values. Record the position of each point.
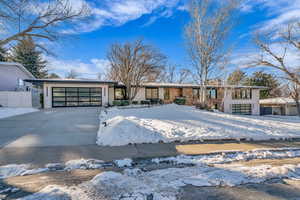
(55, 192)
(216, 158)
(172, 122)
(127, 162)
(19, 170)
(26, 169)
(9, 112)
(164, 184)
(83, 164)
(227, 157)
(12, 170)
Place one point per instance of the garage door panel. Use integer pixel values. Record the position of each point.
(59, 104)
(73, 97)
(242, 109)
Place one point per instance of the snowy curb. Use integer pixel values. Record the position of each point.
(181, 160)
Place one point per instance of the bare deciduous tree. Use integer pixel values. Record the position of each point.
(36, 19)
(294, 92)
(171, 74)
(270, 57)
(131, 64)
(209, 28)
(72, 74)
(183, 75)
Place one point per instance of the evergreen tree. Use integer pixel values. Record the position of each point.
(53, 76)
(2, 54)
(237, 77)
(26, 53)
(261, 78)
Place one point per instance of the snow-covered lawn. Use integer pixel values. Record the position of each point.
(9, 112)
(183, 123)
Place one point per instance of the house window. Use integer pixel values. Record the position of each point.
(167, 93)
(242, 93)
(196, 93)
(212, 93)
(120, 93)
(151, 93)
(242, 109)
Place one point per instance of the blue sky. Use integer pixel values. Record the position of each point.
(161, 24)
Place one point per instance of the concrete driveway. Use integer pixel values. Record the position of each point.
(54, 127)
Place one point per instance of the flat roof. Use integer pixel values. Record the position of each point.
(149, 84)
(180, 85)
(69, 81)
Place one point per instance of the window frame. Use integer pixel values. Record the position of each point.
(151, 88)
(124, 95)
(198, 93)
(241, 93)
(166, 93)
(209, 93)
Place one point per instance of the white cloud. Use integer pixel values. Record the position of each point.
(243, 59)
(119, 12)
(279, 12)
(89, 69)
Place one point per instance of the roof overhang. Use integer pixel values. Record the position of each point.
(70, 81)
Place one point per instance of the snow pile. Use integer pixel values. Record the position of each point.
(127, 162)
(170, 123)
(34, 171)
(83, 164)
(12, 170)
(227, 157)
(165, 183)
(54, 192)
(9, 112)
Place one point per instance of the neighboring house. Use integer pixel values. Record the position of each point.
(12, 76)
(14, 91)
(79, 92)
(278, 106)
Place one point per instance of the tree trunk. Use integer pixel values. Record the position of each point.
(298, 106)
(128, 92)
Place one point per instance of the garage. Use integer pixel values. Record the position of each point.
(73, 92)
(76, 96)
(242, 109)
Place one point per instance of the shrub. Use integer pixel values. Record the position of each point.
(120, 102)
(160, 101)
(203, 106)
(145, 102)
(117, 103)
(135, 102)
(180, 101)
(124, 103)
(154, 101)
